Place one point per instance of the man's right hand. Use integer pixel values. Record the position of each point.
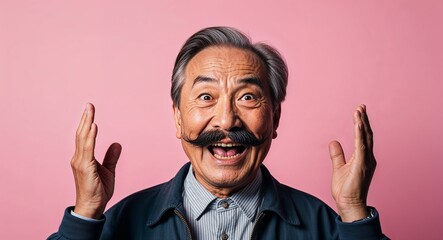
(94, 182)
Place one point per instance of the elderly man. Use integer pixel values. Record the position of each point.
(227, 96)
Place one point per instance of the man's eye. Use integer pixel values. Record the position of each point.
(205, 97)
(247, 97)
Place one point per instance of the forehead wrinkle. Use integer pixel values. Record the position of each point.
(219, 66)
(239, 70)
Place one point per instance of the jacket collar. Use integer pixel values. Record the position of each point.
(170, 198)
(276, 201)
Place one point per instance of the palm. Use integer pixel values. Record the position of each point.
(107, 180)
(102, 182)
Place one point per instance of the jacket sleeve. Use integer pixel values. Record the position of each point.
(74, 228)
(368, 229)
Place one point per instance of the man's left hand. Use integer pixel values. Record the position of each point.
(351, 179)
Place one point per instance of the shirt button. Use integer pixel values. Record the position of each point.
(225, 204)
(224, 236)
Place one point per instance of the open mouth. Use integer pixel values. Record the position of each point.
(226, 150)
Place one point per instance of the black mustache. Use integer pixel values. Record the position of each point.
(240, 136)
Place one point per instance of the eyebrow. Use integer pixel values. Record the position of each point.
(202, 79)
(248, 80)
(252, 80)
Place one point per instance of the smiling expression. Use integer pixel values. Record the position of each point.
(226, 89)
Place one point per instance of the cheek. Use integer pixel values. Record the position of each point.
(260, 122)
(195, 121)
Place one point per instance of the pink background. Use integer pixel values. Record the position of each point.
(57, 55)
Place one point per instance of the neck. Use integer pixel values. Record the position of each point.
(224, 190)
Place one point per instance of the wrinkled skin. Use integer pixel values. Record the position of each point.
(219, 93)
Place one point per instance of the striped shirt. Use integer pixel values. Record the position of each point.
(212, 218)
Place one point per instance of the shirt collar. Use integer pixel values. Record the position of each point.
(198, 197)
(248, 198)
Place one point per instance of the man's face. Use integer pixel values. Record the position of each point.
(226, 89)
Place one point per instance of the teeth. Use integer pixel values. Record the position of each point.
(225, 158)
(226, 145)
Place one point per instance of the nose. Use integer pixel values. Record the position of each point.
(226, 115)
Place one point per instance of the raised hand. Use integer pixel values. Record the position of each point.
(94, 182)
(351, 179)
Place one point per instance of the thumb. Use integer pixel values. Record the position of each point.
(112, 156)
(337, 155)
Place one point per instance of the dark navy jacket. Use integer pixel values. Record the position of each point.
(157, 213)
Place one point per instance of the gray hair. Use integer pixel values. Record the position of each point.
(276, 68)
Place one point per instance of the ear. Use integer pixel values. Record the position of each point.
(276, 120)
(178, 121)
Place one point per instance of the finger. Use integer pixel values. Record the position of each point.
(79, 128)
(337, 155)
(86, 127)
(82, 121)
(112, 156)
(89, 145)
(359, 141)
(369, 135)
